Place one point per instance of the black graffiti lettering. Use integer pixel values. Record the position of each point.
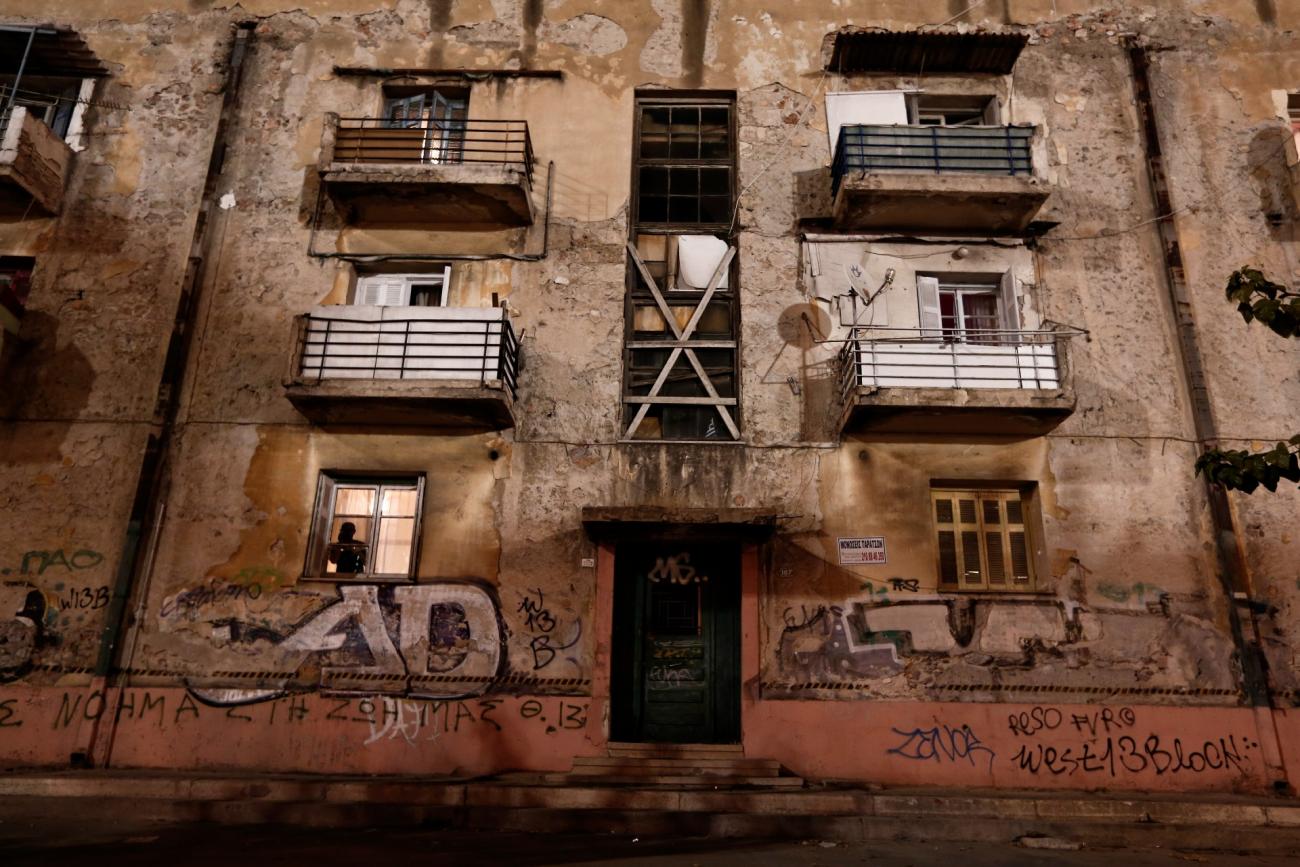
(67, 712)
(576, 715)
(148, 703)
(530, 709)
(536, 617)
(187, 705)
(297, 708)
(1132, 760)
(366, 707)
(1029, 759)
(126, 705)
(1231, 756)
(462, 712)
(7, 713)
(337, 710)
(1092, 762)
(1127, 717)
(1156, 755)
(1032, 721)
(231, 713)
(485, 708)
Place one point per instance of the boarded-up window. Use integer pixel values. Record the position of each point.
(982, 540)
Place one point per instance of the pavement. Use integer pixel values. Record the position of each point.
(132, 817)
(37, 840)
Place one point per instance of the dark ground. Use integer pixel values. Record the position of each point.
(40, 841)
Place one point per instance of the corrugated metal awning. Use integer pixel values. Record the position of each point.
(55, 51)
(914, 52)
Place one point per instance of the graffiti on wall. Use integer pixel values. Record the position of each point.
(549, 634)
(374, 718)
(825, 642)
(942, 744)
(440, 641)
(23, 631)
(878, 636)
(1111, 742)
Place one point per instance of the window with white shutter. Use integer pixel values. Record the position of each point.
(404, 290)
(982, 540)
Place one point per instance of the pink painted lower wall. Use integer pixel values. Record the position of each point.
(1113, 746)
(167, 728)
(1093, 747)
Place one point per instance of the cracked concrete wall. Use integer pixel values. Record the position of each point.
(1126, 559)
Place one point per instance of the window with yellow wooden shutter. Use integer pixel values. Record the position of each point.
(982, 541)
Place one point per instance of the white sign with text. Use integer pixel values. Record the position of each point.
(867, 550)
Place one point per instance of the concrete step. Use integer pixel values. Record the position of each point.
(679, 767)
(653, 807)
(676, 751)
(686, 781)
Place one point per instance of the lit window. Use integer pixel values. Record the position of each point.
(982, 539)
(366, 527)
(436, 120)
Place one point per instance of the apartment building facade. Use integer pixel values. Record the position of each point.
(462, 387)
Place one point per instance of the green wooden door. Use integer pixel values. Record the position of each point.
(676, 675)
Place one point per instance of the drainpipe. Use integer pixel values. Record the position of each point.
(1233, 569)
(151, 487)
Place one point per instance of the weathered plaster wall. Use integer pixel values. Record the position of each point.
(1126, 558)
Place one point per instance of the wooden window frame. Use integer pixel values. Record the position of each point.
(638, 294)
(643, 102)
(323, 517)
(1029, 525)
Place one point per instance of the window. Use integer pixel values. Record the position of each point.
(435, 120)
(1293, 112)
(935, 110)
(684, 163)
(366, 526)
(50, 99)
(977, 308)
(982, 539)
(680, 354)
(15, 284)
(404, 290)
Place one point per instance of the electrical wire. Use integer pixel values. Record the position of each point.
(735, 211)
(1116, 232)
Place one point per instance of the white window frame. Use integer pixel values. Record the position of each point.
(990, 114)
(323, 519)
(930, 286)
(400, 286)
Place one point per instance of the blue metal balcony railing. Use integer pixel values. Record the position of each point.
(990, 150)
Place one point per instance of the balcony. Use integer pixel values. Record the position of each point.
(907, 380)
(34, 166)
(936, 178)
(466, 172)
(435, 366)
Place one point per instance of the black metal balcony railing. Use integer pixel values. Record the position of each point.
(931, 358)
(435, 142)
(995, 150)
(451, 347)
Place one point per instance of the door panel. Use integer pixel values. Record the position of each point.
(676, 674)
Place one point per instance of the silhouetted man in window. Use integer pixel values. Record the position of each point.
(347, 554)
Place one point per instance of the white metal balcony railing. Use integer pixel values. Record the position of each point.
(407, 343)
(930, 358)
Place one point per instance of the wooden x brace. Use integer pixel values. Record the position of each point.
(683, 336)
